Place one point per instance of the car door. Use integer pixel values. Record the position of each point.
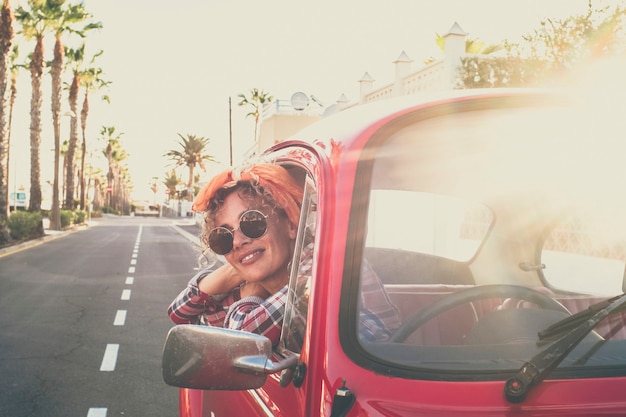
(282, 394)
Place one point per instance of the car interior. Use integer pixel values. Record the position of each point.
(488, 226)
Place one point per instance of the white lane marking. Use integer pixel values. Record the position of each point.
(131, 270)
(130, 280)
(125, 295)
(133, 261)
(110, 357)
(97, 412)
(134, 254)
(120, 318)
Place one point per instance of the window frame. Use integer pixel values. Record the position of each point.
(305, 236)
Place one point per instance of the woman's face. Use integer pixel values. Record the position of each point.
(262, 260)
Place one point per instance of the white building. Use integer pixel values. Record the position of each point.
(283, 118)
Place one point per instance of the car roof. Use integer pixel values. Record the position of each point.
(346, 128)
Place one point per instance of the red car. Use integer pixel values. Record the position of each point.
(496, 222)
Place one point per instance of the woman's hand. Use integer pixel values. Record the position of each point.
(223, 280)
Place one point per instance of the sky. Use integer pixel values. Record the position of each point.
(174, 65)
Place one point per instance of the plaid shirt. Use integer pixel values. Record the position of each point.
(377, 319)
(252, 314)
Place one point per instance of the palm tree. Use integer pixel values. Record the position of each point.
(14, 71)
(256, 100)
(91, 81)
(192, 154)
(92, 175)
(75, 58)
(6, 42)
(472, 46)
(81, 77)
(171, 181)
(115, 154)
(62, 19)
(63, 160)
(34, 26)
(12, 97)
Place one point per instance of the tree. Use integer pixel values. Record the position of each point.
(547, 53)
(171, 183)
(81, 77)
(6, 42)
(75, 59)
(63, 19)
(472, 46)
(115, 154)
(191, 155)
(34, 26)
(91, 81)
(256, 100)
(477, 69)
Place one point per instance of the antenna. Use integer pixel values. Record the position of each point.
(316, 100)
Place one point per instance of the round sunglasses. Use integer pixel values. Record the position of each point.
(252, 223)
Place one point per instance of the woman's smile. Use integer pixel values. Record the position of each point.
(250, 257)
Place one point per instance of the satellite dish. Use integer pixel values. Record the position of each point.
(299, 101)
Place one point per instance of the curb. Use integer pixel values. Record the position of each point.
(57, 234)
(38, 241)
(189, 236)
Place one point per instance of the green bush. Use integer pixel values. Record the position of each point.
(111, 210)
(80, 216)
(4, 232)
(23, 224)
(67, 218)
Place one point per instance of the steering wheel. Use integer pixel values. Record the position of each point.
(469, 295)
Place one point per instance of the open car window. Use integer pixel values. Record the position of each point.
(585, 253)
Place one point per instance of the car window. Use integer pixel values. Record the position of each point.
(427, 223)
(294, 324)
(585, 254)
(449, 207)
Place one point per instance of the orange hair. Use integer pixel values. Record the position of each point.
(273, 179)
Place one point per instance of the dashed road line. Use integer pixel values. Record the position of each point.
(120, 318)
(110, 357)
(97, 412)
(109, 360)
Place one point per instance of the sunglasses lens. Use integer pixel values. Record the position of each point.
(221, 240)
(253, 224)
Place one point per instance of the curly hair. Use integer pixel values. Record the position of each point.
(266, 185)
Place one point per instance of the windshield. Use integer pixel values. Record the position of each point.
(486, 227)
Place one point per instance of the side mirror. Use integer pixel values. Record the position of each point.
(205, 357)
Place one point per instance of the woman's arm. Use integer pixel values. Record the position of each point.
(220, 281)
(195, 306)
(257, 315)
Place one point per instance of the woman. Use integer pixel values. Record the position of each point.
(250, 217)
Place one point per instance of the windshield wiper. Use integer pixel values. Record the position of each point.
(575, 327)
(573, 321)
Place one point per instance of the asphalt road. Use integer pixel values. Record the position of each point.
(83, 320)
